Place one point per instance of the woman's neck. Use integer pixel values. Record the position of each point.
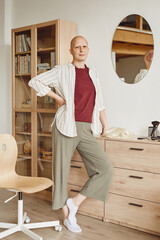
(79, 64)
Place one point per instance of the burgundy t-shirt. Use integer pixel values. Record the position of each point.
(84, 98)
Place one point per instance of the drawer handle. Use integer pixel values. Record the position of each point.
(134, 204)
(72, 190)
(75, 166)
(137, 149)
(132, 176)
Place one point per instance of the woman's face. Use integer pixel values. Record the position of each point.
(79, 49)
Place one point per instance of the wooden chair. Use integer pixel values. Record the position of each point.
(11, 181)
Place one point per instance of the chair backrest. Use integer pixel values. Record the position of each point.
(8, 154)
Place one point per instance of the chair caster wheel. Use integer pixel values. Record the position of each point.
(27, 220)
(58, 228)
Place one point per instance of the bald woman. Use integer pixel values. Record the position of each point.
(80, 117)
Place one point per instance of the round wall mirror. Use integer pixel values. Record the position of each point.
(132, 49)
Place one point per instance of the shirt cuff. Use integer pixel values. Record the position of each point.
(102, 108)
(44, 91)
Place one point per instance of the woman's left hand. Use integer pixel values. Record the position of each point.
(103, 131)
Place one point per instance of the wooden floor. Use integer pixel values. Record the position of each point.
(40, 210)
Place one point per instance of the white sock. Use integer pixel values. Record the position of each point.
(72, 227)
(72, 211)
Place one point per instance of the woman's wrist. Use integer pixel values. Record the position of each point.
(53, 95)
(57, 97)
(104, 127)
(104, 130)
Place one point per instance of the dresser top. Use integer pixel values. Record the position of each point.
(135, 140)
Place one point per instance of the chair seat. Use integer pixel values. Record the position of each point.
(25, 184)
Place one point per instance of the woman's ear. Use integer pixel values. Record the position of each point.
(70, 50)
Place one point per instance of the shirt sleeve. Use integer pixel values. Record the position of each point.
(101, 105)
(140, 75)
(43, 82)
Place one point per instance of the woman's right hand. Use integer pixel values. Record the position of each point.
(60, 101)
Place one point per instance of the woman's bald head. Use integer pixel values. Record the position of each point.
(75, 39)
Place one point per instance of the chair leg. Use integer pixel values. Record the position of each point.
(7, 225)
(9, 231)
(30, 233)
(42, 224)
(25, 227)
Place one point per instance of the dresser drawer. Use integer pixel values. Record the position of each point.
(132, 155)
(78, 174)
(76, 155)
(136, 184)
(133, 212)
(90, 207)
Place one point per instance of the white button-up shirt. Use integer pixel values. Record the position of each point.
(62, 78)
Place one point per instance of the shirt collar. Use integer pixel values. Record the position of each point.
(72, 66)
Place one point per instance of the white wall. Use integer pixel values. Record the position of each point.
(5, 66)
(2, 80)
(129, 106)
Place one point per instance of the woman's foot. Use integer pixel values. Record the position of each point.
(69, 212)
(72, 227)
(72, 211)
(65, 212)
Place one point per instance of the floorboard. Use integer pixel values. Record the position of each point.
(40, 210)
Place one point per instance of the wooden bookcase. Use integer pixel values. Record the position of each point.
(35, 49)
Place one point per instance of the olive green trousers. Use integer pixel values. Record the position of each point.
(97, 164)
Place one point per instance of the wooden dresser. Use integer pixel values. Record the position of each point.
(134, 196)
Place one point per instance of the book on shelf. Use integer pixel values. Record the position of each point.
(53, 59)
(26, 64)
(29, 63)
(28, 42)
(23, 64)
(18, 43)
(43, 66)
(23, 43)
(16, 70)
(24, 46)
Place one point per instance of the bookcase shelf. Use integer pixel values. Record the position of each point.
(46, 50)
(44, 134)
(46, 110)
(23, 133)
(22, 110)
(23, 157)
(45, 160)
(22, 53)
(23, 75)
(35, 49)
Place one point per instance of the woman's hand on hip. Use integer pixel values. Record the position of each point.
(60, 101)
(104, 129)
